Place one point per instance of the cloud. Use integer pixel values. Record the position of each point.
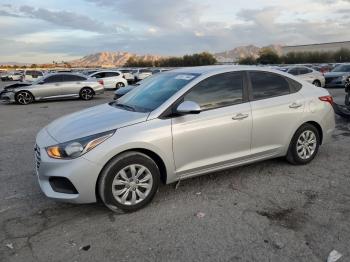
(61, 18)
(160, 13)
(166, 27)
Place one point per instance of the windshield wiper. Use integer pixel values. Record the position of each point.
(129, 108)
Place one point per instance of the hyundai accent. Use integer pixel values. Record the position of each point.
(180, 124)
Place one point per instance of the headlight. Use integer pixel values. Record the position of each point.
(76, 148)
(9, 90)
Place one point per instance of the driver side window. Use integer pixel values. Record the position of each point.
(218, 91)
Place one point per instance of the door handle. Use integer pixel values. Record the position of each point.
(239, 116)
(295, 105)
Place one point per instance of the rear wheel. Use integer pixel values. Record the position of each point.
(129, 182)
(119, 85)
(304, 145)
(86, 93)
(317, 83)
(24, 97)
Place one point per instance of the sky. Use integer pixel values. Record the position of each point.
(37, 31)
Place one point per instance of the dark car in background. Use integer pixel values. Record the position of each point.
(338, 76)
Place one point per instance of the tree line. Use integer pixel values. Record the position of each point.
(199, 59)
(269, 56)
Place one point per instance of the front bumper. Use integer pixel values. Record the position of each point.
(80, 172)
(7, 96)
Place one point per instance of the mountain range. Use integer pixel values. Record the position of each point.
(116, 59)
(110, 59)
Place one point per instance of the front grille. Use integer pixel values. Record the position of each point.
(37, 156)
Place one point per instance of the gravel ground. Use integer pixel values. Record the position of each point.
(268, 211)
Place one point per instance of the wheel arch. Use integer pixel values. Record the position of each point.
(25, 90)
(317, 126)
(154, 156)
(87, 87)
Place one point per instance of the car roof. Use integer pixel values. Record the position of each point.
(221, 68)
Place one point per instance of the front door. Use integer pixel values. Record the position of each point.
(221, 133)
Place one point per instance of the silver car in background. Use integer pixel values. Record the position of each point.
(53, 86)
(307, 74)
(180, 124)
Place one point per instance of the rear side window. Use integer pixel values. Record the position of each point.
(266, 85)
(218, 91)
(53, 79)
(99, 75)
(303, 71)
(294, 71)
(67, 78)
(111, 74)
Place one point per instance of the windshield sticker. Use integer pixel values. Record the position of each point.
(184, 77)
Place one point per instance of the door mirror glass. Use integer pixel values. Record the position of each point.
(188, 107)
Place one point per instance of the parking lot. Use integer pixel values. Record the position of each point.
(268, 211)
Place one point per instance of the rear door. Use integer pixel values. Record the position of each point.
(221, 133)
(277, 108)
(71, 84)
(49, 87)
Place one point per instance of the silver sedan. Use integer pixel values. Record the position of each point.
(181, 124)
(53, 86)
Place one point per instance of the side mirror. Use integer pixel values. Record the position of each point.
(188, 107)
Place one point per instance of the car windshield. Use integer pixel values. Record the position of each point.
(342, 68)
(155, 91)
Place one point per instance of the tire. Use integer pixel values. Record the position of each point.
(300, 153)
(113, 184)
(86, 93)
(119, 85)
(24, 97)
(317, 83)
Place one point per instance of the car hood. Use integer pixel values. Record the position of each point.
(17, 85)
(335, 74)
(92, 121)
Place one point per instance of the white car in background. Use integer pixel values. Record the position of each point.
(141, 73)
(128, 75)
(305, 73)
(11, 76)
(111, 79)
(31, 75)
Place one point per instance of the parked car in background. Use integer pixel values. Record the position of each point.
(141, 73)
(338, 76)
(158, 70)
(52, 86)
(31, 75)
(11, 76)
(111, 79)
(310, 75)
(128, 74)
(161, 132)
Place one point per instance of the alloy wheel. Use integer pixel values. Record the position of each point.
(24, 98)
(87, 94)
(306, 144)
(132, 184)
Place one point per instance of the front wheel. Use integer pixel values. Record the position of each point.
(304, 145)
(24, 97)
(86, 93)
(129, 182)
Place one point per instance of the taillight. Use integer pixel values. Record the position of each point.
(328, 99)
(101, 82)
